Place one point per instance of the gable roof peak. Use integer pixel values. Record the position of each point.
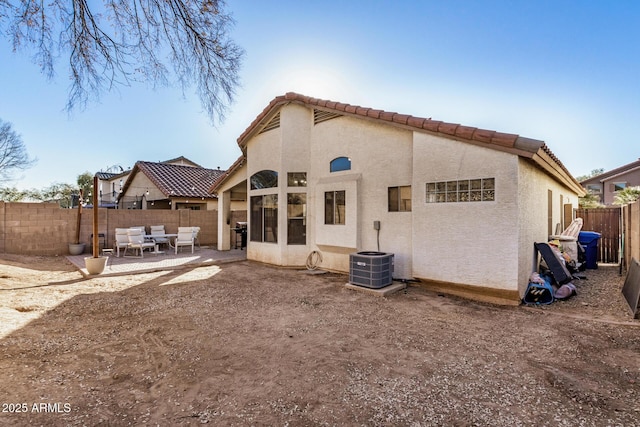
(455, 130)
(526, 147)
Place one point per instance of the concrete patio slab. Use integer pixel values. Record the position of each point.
(166, 261)
(383, 292)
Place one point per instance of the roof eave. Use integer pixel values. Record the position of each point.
(547, 162)
(610, 177)
(237, 165)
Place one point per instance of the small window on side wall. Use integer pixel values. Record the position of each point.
(400, 199)
(340, 164)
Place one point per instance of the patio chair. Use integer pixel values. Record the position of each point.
(158, 230)
(569, 238)
(195, 231)
(141, 227)
(122, 240)
(185, 238)
(136, 241)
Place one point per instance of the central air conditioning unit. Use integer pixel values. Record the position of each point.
(371, 269)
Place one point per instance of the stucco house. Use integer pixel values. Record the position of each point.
(459, 207)
(608, 183)
(173, 184)
(109, 187)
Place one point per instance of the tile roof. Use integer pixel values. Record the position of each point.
(458, 131)
(177, 180)
(512, 143)
(105, 176)
(222, 177)
(182, 160)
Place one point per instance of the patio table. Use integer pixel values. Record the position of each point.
(156, 249)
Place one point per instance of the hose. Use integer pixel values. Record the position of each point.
(313, 260)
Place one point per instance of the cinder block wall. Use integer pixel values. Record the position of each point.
(46, 229)
(37, 228)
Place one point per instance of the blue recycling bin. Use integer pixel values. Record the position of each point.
(589, 240)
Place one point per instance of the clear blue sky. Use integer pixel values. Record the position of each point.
(565, 72)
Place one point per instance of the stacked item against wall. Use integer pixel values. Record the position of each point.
(553, 280)
(569, 242)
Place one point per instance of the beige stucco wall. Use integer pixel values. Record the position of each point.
(472, 243)
(482, 244)
(300, 146)
(380, 158)
(229, 209)
(264, 152)
(533, 197)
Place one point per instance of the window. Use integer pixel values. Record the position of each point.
(297, 179)
(264, 179)
(264, 218)
(617, 186)
(334, 207)
(594, 188)
(340, 164)
(400, 199)
(466, 190)
(296, 218)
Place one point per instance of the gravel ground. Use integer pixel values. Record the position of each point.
(248, 344)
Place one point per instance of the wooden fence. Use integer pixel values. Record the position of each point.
(607, 222)
(631, 233)
(620, 229)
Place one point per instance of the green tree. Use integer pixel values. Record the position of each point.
(590, 201)
(66, 195)
(85, 182)
(627, 195)
(13, 153)
(117, 42)
(594, 172)
(12, 194)
(61, 193)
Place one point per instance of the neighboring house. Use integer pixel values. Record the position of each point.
(174, 184)
(460, 207)
(608, 183)
(110, 185)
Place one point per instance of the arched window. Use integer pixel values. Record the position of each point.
(340, 164)
(264, 179)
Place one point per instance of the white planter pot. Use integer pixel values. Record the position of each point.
(76, 248)
(95, 265)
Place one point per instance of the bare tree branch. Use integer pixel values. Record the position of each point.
(13, 154)
(118, 42)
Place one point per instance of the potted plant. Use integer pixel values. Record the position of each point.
(96, 263)
(76, 248)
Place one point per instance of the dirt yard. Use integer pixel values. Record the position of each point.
(247, 344)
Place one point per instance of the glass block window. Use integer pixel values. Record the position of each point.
(463, 190)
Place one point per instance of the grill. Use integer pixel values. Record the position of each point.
(371, 269)
(241, 234)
